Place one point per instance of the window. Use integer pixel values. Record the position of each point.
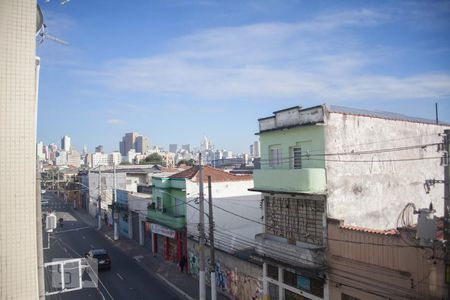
(288, 295)
(296, 158)
(178, 207)
(273, 291)
(348, 297)
(272, 272)
(275, 157)
(158, 203)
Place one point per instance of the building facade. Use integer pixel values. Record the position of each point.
(335, 162)
(65, 143)
(18, 96)
(142, 144)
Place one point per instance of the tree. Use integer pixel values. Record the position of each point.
(189, 162)
(154, 158)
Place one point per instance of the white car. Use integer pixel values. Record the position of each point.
(42, 191)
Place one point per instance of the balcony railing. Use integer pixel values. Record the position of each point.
(299, 254)
(164, 218)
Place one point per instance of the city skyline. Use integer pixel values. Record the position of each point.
(214, 68)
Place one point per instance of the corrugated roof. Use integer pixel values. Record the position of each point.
(217, 175)
(380, 114)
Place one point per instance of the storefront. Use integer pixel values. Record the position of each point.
(169, 243)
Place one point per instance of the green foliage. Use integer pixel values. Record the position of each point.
(189, 162)
(154, 159)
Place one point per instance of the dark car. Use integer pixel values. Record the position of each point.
(100, 257)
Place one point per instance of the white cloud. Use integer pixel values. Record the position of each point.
(318, 60)
(116, 121)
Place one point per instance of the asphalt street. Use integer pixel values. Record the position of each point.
(125, 280)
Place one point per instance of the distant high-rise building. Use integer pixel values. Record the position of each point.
(99, 148)
(114, 158)
(186, 147)
(74, 158)
(142, 144)
(61, 158)
(46, 152)
(173, 148)
(85, 151)
(206, 144)
(99, 159)
(251, 150)
(52, 147)
(40, 150)
(65, 143)
(256, 149)
(128, 143)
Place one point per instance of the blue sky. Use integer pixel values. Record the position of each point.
(176, 70)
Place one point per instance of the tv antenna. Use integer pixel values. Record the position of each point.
(41, 29)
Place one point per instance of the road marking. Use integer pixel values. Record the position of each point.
(119, 276)
(92, 246)
(185, 295)
(83, 237)
(138, 258)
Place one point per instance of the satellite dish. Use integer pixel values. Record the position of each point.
(39, 19)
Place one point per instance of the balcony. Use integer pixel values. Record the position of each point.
(301, 254)
(308, 180)
(165, 219)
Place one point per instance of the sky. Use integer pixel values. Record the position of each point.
(178, 70)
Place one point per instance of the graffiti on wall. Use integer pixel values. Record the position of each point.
(230, 281)
(193, 263)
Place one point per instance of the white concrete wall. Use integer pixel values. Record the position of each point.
(372, 194)
(107, 188)
(18, 249)
(139, 202)
(234, 197)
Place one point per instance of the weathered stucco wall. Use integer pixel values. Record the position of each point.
(237, 278)
(371, 193)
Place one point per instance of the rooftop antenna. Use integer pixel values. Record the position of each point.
(41, 28)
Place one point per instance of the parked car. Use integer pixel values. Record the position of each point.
(42, 191)
(99, 257)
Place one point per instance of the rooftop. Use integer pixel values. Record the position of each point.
(379, 114)
(217, 175)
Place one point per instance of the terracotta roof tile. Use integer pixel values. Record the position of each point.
(371, 230)
(217, 175)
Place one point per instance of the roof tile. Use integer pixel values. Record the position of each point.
(217, 175)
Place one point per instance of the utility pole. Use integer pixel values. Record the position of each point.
(40, 246)
(447, 208)
(212, 254)
(99, 202)
(115, 219)
(201, 229)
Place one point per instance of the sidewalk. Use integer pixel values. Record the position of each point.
(169, 273)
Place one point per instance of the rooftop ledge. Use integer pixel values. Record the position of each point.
(295, 181)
